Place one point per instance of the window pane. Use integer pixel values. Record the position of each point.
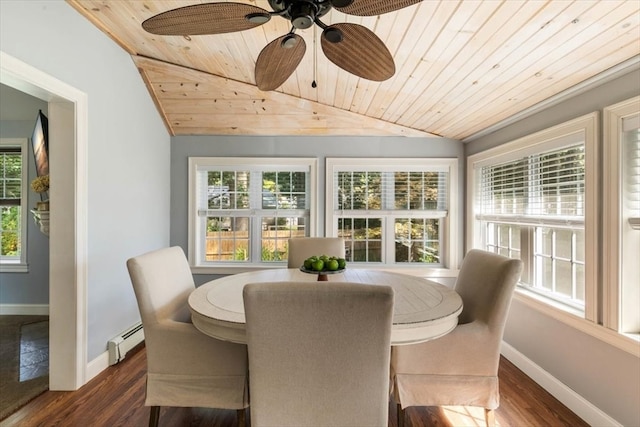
(362, 238)
(359, 190)
(504, 236)
(419, 190)
(564, 244)
(503, 239)
(283, 190)
(545, 280)
(564, 278)
(276, 231)
(9, 231)
(227, 239)
(11, 190)
(546, 238)
(228, 190)
(417, 240)
(557, 270)
(580, 282)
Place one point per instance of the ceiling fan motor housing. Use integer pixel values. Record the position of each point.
(301, 13)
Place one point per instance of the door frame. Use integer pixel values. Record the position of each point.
(68, 132)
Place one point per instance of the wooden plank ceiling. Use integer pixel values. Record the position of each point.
(461, 66)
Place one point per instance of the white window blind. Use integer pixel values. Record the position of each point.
(631, 168)
(547, 187)
(399, 190)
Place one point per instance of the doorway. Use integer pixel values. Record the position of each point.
(68, 122)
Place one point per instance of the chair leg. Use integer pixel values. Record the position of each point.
(154, 416)
(240, 414)
(400, 413)
(490, 417)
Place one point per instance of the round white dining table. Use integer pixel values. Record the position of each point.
(423, 309)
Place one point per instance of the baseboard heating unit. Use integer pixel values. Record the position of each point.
(120, 345)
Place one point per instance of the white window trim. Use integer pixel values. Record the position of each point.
(587, 124)
(21, 266)
(451, 223)
(193, 227)
(612, 225)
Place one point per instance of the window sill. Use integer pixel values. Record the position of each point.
(14, 268)
(574, 318)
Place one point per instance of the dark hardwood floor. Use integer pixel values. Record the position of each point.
(116, 398)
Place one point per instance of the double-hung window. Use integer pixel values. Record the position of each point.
(13, 204)
(530, 201)
(393, 212)
(621, 253)
(243, 210)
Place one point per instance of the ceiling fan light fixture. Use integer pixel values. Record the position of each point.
(333, 35)
(258, 18)
(289, 42)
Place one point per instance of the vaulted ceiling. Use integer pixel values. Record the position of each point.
(461, 66)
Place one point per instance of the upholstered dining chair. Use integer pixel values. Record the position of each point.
(185, 367)
(461, 368)
(301, 248)
(318, 353)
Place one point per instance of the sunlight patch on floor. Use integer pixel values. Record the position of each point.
(465, 416)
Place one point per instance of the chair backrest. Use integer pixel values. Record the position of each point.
(301, 248)
(162, 282)
(318, 353)
(486, 282)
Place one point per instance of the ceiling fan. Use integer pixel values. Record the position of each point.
(351, 47)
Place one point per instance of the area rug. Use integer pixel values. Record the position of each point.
(14, 392)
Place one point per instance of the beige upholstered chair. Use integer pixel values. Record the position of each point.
(461, 368)
(301, 248)
(184, 366)
(318, 353)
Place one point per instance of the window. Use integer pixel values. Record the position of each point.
(622, 216)
(393, 212)
(13, 204)
(530, 201)
(244, 210)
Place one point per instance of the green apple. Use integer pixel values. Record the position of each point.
(332, 265)
(318, 265)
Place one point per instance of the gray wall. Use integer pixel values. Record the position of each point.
(183, 147)
(18, 113)
(127, 156)
(606, 376)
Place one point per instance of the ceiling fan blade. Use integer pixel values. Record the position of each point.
(278, 60)
(359, 51)
(371, 7)
(207, 18)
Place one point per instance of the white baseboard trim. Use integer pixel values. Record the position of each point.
(97, 365)
(569, 398)
(25, 309)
